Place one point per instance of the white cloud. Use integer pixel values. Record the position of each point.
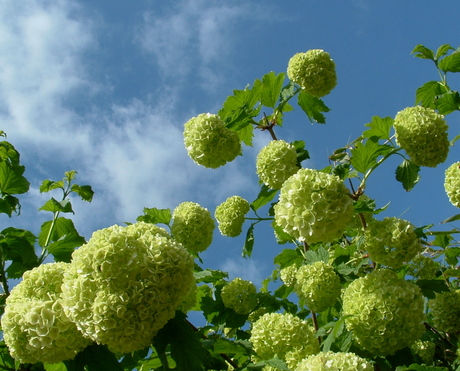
(247, 269)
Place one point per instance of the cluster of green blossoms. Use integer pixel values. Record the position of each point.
(276, 162)
(391, 241)
(35, 326)
(285, 336)
(230, 215)
(288, 275)
(385, 312)
(330, 361)
(192, 226)
(452, 183)
(209, 143)
(313, 206)
(125, 284)
(314, 71)
(423, 267)
(445, 309)
(239, 295)
(425, 350)
(422, 132)
(317, 285)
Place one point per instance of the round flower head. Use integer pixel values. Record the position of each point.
(288, 275)
(385, 312)
(192, 226)
(445, 309)
(276, 162)
(314, 71)
(330, 361)
(35, 327)
(452, 183)
(391, 241)
(239, 295)
(125, 284)
(423, 134)
(276, 334)
(209, 143)
(317, 285)
(423, 267)
(230, 215)
(313, 206)
(425, 350)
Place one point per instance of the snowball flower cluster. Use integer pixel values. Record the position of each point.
(35, 326)
(422, 132)
(391, 241)
(285, 336)
(230, 215)
(425, 350)
(288, 275)
(239, 295)
(125, 284)
(385, 312)
(313, 206)
(452, 183)
(423, 267)
(314, 71)
(445, 309)
(209, 143)
(330, 361)
(276, 162)
(317, 285)
(192, 226)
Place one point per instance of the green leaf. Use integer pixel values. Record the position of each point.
(443, 50)
(452, 254)
(55, 366)
(209, 275)
(8, 204)
(288, 257)
(364, 155)
(246, 134)
(427, 94)
(423, 52)
(448, 102)
(442, 240)
(408, 174)
(85, 192)
(379, 127)
(49, 185)
(429, 288)
(451, 63)
(55, 206)
(155, 216)
(62, 249)
(94, 358)
(186, 348)
(249, 242)
(302, 153)
(451, 219)
(320, 255)
(417, 367)
(11, 179)
(271, 88)
(264, 197)
(313, 107)
(281, 236)
(62, 227)
(6, 361)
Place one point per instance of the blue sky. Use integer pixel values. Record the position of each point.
(104, 88)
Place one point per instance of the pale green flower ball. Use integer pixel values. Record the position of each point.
(385, 312)
(330, 361)
(230, 215)
(423, 134)
(425, 350)
(317, 285)
(423, 267)
(192, 226)
(35, 327)
(276, 162)
(445, 309)
(276, 334)
(313, 206)
(452, 183)
(209, 143)
(288, 275)
(239, 295)
(391, 241)
(125, 284)
(314, 71)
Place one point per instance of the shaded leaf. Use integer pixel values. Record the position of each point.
(55, 206)
(313, 107)
(49, 185)
(320, 255)
(94, 358)
(62, 249)
(302, 153)
(288, 257)
(429, 288)
(264, 197)
(48, 232)
(249, 242)
(408, 174)
(448, 102)
(11, 179)
(85, 192)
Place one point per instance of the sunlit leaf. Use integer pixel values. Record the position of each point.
(364, 155)
(271, 89)
(443, 50)
(423, 52)
(427, 94)
(313, 107)
(264, 197)
(448, 102)
(11, 179)
(155, 216)
(50, 233)
(451, 63)
(62, 249)
(379, 127)
(55, 206)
